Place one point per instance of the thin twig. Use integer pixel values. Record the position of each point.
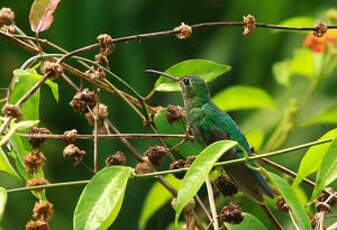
(271, 217)
(212, 204)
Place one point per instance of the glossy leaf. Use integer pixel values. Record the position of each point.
(243, 97)
(255, 138)
(249, 222)
(6, 166)
(298, 211)
(198, 172)
(42, 14)
(163, 126)
(156, 198)
(101, 199)
(3, 201)
(207, 70)
(327, 172)
(313, 157)
(298, 22)
(281, 71)
(328, 116)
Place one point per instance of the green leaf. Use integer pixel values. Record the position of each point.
(292, 200)
(101, 199)
(198, 172)
(255, 138)
(207, 70)
(313, 157)
(281, 71)
(163, 126)
(327, 172)
(328, 116)
(243, 97)
(302, 63)
(156, 198)
(298, 22)
(6, 166)
(179, 226)
(249, 222)
(3, 201)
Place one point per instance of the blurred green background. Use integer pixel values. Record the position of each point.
(78, 23)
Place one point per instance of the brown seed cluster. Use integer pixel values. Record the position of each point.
(102, 113)
(324, 196)
(34, 161)
(225, 186)
(232, 214)
(70, 136)
(37, 142)
(144, 167)
(12, 111)
(43, 210)
(6, 16)
(174, 113)
(281, 204)
(184, 31)
(106, 44)
(116, 159)
(53, 69)
(182, 164)
(37, 182)
(102, 60)
(84, 99)
(249, 25)
(156, 154)
(320, 29)
(37, 225)
(72, 151)
(322, 207)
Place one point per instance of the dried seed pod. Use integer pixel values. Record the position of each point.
(6, 16)
(178, 165)
(102, 113)
(12, 111)
(37, 142)
(232, 214)
(37, 182)
(117, 159)
(34, 161)
(320, 29)
(144, 167)
(53, 69)
(43, 210)
(189, 160)
(72, 151)
(106, 44)
(174, 113)
(84, 99)
(281, 204)
(70, 136)
(323, 207)
(156, 154)
(225, 186)
(184, 31)
(102, 59)
(37, 225)
(249, 25)
(324, 196)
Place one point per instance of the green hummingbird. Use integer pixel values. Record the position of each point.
(208, 124)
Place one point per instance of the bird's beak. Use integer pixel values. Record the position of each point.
(164, 74)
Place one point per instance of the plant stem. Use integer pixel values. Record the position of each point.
(212, 204)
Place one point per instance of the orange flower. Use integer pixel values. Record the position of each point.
(318, 44)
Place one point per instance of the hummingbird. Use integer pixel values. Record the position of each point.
(208, 124)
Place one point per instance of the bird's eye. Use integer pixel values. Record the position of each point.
(187, 81)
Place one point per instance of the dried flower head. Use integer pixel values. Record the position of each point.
(184, 31)
(34, 161)
(37, 182)
(53, 69)
(156, 154)
(322, 207)
(320, 29)
(9, 29)
(102, 113)
(84, 99)
(102, 59)
(281, 204)
(72, 151)
(189, 161)
(106, 44)
(326, 197)
(12, 111)
(6, 16)
(37, 142)
(144, 167)
(43, 210)
(37, 225)
(174, 113)
(70, 136)
(249, 25)
(178, 165)
(232, 214)
(117, 159)
(225, 186)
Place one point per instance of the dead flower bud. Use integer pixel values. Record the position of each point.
(232, 214)
(34, 161)
(281, 204)
(84, 99)
(72, 151)
(102, 59)
(225, 186)
(37, 142)
(178, 165)
(6, 16)
(117, 159)
(156, 154)
(37, 225)
(320, 29)
(12, 111)
(174, 113)
(70, 136)
(322, 207)
(52, 68)
(249, 25)
(37, 182)
(43, 210)
(144, 167)
(102, 113)
(9, 29)
(184, 31)
(106, 44)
